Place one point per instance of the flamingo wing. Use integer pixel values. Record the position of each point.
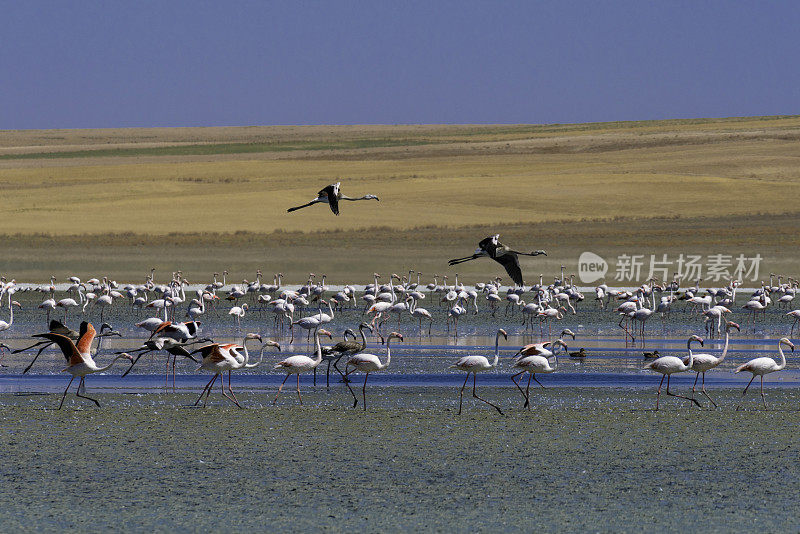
(87, 335)
(66, 345)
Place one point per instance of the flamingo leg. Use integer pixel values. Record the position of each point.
(78, 393)
(461, 394)
(353, 393)
(658, 395)
(681, 396)
(705, 392)
(763, 399)
(528, 392)
(174, 358)
(298, 389)
(537, 381)
(364, 391)
(519, 387)
(204, 390)
(280, 388)
(64, 396)
(746, 388)
(344, 376)
(222, 389)
(475, 395)
(697, 375)
(230, 390)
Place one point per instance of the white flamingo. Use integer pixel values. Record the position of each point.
(479, 364)
(299, 363)
(669, 365)
(536, 363)
(764, 365)
(705, 362)
(369, 363)
(219, 358)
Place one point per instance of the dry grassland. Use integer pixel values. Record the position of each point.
(697, 186)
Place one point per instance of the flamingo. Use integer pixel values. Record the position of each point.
(220, 358)
(794, 314)
(421, 313)
(173, 349)
(11, 303)
(344, 348)
(59, 328)
(332, 196)
(492, 247)
(238, 312)
(48, 305)
(764, 365)
(478, 364)
(80, 359)
(536, 363)
(369, 363)
(150, 324)
(669, 365)
(704, 362)
(294, 365)
(306, 323)
(70, 303)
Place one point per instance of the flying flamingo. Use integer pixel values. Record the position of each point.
(80, 359)
(478, 364)
(764, 365)
(704, 362)
(58, 328)
(369, 363)
(294, 365)
(492, 247)
(669, 365)
(332, 196)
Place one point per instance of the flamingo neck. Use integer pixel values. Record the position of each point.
(101, 369)
(783, 358)
(363, 338)
(496, 350)
(388, 353)
(317, 348)
(725, 348)
(691, 355)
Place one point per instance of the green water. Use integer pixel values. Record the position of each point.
(595, 459)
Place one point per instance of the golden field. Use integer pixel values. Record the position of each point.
(118, 202)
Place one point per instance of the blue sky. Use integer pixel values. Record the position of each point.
(116, 64)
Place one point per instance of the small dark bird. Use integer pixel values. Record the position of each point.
(580, 354)
(493, 248)
(332, 196)
(651, 355)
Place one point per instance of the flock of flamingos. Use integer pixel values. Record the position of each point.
(400, 297)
